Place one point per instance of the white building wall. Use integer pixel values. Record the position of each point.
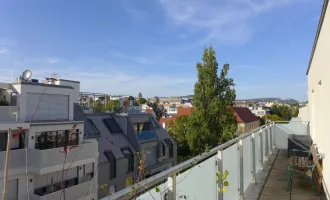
(303, 113)
(319, 95)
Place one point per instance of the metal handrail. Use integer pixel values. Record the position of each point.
(158, 178)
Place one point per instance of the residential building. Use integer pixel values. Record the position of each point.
(121, 138)
(260, 111)
(246, 120)
(318, 90)
(242, 104)
(38, 122)
(171, 109)
(182, 111)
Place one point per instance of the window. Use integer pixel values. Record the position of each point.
(56, 139)
(163, 148)
(112, 125)
(154, 123)
(112, 160)
(94, 126)
(170, 146)
(129, 157)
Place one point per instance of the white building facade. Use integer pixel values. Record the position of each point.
(38, 120)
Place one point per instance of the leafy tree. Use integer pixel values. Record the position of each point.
(112, 105)
(295, 112)
(131, 98)
(178, 132)
(140, 95)
(157, 99)
(273, 117)
(159, 110)
(213, 122)
(283, 112)
(142, 101)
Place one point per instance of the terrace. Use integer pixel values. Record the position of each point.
(256, 162)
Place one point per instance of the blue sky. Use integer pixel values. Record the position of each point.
(152, 46)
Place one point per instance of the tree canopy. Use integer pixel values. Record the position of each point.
(213, 122)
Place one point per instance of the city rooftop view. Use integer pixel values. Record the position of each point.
(164, 100)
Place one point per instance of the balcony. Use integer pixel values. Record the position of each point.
(74, 192)
(256, 162)
(49, 160)
(9, 113)
(146, 135)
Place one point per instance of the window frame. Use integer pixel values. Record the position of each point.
(130, 159)
(113, 164)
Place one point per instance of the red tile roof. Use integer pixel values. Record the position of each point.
(185, 111)
(167, 121)
(244, 115)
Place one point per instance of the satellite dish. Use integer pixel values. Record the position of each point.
(27, 75)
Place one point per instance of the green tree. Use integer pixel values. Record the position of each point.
(140, 95)
(178, 132)
(283, 112)
(112, 105)
(295, 112)
(142, 101)
(159, 110)
(213, 122)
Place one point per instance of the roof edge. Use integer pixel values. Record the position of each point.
(324, 9)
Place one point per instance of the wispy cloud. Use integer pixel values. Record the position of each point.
(132, 10)
(139, 59)
(52, 60)
(3, 51)
(227, 22)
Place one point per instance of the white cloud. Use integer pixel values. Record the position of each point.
(3, 51)
(52, 60)
(132, 10)
(227, 22)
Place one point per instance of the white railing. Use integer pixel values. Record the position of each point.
(243, 157)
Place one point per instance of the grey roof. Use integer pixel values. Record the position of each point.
(42, 84)
(89, 130)
(109, 141)
(324, 9)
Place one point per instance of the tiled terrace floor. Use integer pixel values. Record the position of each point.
(271, 182)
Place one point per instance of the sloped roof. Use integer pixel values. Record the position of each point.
(244, 115)
(185, 111)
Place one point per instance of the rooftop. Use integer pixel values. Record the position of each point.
(256, 162)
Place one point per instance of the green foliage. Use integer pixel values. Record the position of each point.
(112, 105)
(295, 112)
(178, 131)
(142, 101)
(140, 95)
(213, 122)
(159, 110)
(284, 112)
(157, 189)
(224, 179)
(131, 98)
(129, 181)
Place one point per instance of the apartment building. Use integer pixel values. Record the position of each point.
(121, 138)
(318, 74)
(246, 120)
(260, 111)
(37, 120)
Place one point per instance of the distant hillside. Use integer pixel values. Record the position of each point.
(279, 100)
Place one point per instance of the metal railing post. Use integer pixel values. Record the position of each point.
(271, 138)
(241, 170)
(253, 143)
(261, 161)
(266, 143)
(171, 183)
(220, 170)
